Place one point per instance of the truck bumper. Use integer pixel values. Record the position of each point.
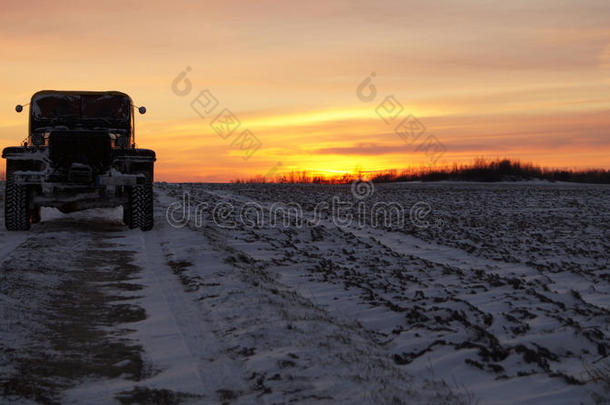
(121, 180)
(29, 178)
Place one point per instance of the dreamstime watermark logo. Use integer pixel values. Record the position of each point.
(362, 189)
(225, 124)
(419, 213)
(409, 129)
(338, 212)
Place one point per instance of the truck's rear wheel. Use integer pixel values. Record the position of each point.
(142, 207)
(17, 214)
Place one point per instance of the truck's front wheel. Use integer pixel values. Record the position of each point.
(16, 206)
(141, 207)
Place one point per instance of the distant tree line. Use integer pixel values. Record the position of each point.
(480, 169)
(494, 170)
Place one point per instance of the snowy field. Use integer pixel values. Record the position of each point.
(445, 293)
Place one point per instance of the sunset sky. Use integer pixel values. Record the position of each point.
(520, 79)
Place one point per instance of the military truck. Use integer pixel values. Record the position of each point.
(80, 153)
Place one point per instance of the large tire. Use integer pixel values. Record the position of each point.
(17, 215)
(142, 206)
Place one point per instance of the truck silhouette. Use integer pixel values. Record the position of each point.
(80, 153)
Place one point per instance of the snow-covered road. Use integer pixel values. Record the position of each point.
(92, 312)
(95, 313)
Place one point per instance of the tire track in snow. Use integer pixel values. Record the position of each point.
(69, 284)
(200, 355)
